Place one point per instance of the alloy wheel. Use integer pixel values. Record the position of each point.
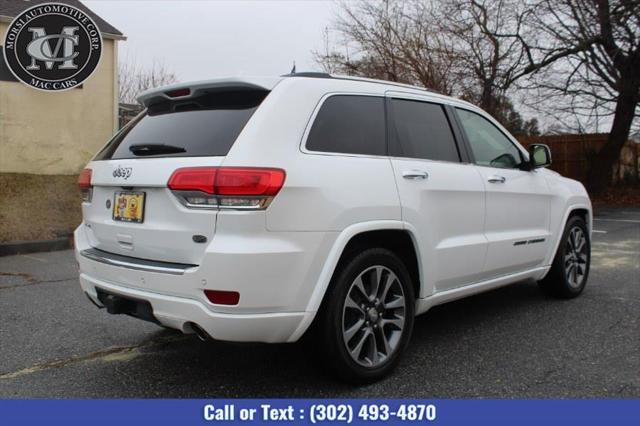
(576, 257)
(373, 317)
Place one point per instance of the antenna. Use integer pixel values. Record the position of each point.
(293, 70)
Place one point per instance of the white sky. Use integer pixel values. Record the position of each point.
(204, 39)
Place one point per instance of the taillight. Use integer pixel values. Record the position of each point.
(84, 183)
(247, 188)
(193, 179)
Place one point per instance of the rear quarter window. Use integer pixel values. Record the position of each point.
(203, 126)
(349, 124)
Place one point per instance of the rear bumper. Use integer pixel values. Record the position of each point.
(275, 275)
(177, 312)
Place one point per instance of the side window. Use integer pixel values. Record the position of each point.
(349, 124)
(421, 130)
(489, 145)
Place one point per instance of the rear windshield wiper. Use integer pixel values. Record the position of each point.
(155, 148)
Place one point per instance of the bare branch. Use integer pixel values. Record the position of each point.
(134, 79)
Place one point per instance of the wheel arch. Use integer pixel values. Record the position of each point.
(390, 234)
(579, 209)
(399, 241)
(584, 213)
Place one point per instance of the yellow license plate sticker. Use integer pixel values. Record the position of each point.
(129, 206)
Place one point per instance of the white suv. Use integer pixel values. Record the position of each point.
(258, 209)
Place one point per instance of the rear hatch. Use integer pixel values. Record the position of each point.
(132, 212)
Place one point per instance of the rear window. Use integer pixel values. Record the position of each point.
(349, 124)
(204, 126)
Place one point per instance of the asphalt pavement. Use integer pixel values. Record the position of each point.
(508, 343)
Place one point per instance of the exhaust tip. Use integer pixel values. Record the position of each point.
(200, 333)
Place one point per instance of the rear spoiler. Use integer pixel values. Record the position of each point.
(197, 88)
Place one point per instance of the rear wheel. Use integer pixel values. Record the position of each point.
(570, 269)
(367, 318)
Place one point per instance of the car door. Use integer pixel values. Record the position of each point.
(517, 199)
(441, 195)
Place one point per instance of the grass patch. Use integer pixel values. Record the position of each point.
(38, 207)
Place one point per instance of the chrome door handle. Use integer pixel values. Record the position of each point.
(415, 175)
(496, 179)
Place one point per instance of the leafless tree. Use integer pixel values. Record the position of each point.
(578, 59)
(598, 79)
(134, 78)
(486, 64)
(450, 46)
(391, 40)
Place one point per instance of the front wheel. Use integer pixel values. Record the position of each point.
(367, 318)
(570, 269)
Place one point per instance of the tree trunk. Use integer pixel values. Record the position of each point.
(601, 170)
(487, 99)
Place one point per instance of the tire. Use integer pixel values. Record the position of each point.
(348, 332)
(570, 268)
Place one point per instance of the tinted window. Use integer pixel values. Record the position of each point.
(489, 145)
(204, 126)
(421, 130)
(351, 125)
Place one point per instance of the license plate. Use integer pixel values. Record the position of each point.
(128, 206)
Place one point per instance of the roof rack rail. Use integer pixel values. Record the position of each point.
(356, 78)
(390, 83)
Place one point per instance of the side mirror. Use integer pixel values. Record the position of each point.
(539, 156)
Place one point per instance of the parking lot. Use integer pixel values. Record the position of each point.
(512, 342)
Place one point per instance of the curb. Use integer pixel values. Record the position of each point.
(24, 247)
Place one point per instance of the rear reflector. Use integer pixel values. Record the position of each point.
(227, 187)
(220, 297)
(84, 183)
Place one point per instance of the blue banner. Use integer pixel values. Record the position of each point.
(160, 412)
